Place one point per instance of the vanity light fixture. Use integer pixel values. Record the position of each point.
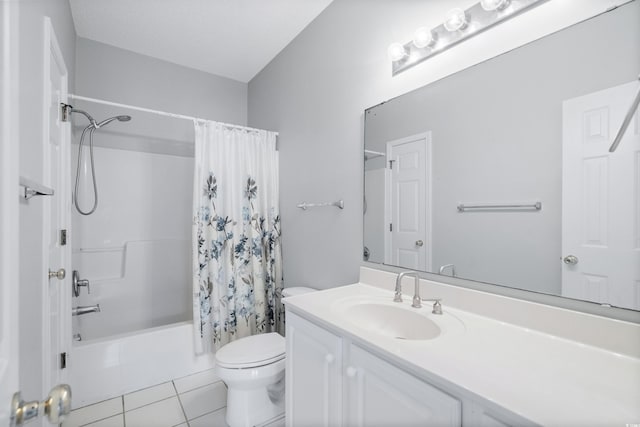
(490, 5)
(456, 20)
(424, 37)
(458, 25)
(396, 51)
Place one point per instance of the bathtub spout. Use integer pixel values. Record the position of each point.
(80, 310)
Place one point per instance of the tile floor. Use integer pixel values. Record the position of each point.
(198, 400)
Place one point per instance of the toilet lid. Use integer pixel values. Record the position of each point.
(256, 350)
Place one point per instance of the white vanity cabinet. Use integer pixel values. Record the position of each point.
(380, 394)
(332, 381)
(313, 375)
(323, 388)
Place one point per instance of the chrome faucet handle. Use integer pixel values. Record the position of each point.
(437, 305)
(77, 282)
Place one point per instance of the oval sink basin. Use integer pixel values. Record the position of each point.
(393, 321)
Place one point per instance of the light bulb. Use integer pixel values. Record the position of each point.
(491, 5)
(396, 51)
(423, 37)
(456, 20)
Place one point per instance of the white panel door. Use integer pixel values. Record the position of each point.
(313, 375)
(408, 242)
(9, 218)
(601, 200)
(57, 291)
(379, 394)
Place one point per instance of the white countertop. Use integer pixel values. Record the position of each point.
(541, 377)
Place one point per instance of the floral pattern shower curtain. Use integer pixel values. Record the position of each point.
(237, 262)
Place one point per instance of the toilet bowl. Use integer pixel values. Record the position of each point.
(253, 370)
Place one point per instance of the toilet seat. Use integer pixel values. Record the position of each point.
(252, 352)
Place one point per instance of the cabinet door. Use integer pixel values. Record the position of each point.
(313, 375)
(379, 394)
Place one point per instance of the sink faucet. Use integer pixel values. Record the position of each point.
(416, 294)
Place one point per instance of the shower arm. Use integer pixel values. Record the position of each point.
(625, 123)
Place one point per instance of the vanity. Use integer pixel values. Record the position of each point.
(492, 360)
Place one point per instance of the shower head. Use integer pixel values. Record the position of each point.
(84, 113)
(109, 120)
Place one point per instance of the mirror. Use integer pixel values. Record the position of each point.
(501, 173)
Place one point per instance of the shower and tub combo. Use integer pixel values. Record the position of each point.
(138, 320)
(131, 257)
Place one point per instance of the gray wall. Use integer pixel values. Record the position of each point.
(118, 75)
(315, 91)
(31, 80)
(497, 138)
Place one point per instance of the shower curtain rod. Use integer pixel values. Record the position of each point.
(160, 113)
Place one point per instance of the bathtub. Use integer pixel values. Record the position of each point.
(104, 368)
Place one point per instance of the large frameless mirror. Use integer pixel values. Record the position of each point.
(501, 173)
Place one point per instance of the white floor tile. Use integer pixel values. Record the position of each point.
(212, 419)
(278, 422)
(148, 395)
(166, 413)
(115, 421)
(91, 413)
(194, 381)
(204, 399)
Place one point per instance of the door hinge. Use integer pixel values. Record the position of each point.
(391, 164)
(65, 112)
(63, 237)
(63, 360)
(390, 227)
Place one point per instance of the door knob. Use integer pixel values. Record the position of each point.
(570, 260)
(419, 243)
(60, 274)
(55, 407)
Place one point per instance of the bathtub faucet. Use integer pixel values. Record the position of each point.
(80, 310)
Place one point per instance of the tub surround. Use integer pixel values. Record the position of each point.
(547, 365)
(105, 368)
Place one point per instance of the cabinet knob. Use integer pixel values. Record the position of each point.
(329, 358)
(351, 372)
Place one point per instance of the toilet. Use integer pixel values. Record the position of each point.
(253, 370)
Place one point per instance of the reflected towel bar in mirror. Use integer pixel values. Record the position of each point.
(535, 206)
(304, 205)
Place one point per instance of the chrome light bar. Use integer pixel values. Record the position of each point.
(458, 26)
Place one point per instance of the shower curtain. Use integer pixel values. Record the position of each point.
(237, 262)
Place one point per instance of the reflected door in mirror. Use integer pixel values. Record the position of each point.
(601, 200)
(408, 201)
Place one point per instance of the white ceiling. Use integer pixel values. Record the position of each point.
(229, 38)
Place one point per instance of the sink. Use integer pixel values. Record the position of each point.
(393, 321)
(380, 315)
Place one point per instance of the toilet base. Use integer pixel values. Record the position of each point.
(247, 408)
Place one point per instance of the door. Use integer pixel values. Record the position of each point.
(13, 410)
(408, 241)
(9, 225)
(601, 200)
(57, 295)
